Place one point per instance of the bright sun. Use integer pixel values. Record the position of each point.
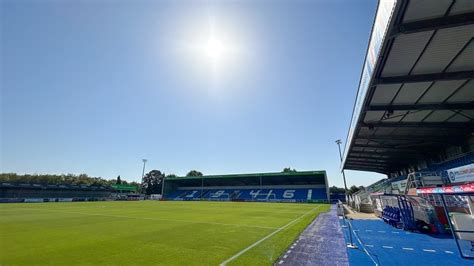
(214, 48)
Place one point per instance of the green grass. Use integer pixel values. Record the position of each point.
(149, 232)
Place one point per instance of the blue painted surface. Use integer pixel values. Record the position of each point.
(386, 245)
(256, 194)
(321, 243)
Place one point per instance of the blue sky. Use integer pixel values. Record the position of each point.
(95, 86)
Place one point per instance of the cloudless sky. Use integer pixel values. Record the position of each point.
(94, 86)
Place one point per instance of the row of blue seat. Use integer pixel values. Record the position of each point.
(250, 194)
(391, 215)
(461, 161)
(442, 167)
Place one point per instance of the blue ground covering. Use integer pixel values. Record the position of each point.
(387, 245)
(321, 243)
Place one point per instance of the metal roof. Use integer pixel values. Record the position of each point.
(254, 179)
(275, 174)
(416, 94)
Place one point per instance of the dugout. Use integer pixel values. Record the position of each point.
(457, 203)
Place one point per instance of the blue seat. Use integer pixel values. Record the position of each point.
(256, 194)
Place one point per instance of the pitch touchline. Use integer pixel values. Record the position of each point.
(363, 246)
(153, 219)
(266, 237)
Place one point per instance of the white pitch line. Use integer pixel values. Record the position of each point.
(429, 250)
(266, 237)
(449, 252)
(387, 246)
(370, 246)
(150, 218)
(408, 248)
(381, 231)
(395, 232)
(363, 247)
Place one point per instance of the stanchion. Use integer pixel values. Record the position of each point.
(346, 224)
(340, 208)
(351, 244)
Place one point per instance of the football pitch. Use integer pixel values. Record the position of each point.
(150, 232)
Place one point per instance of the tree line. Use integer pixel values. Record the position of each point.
(338, 190)
(50, 179)
(150, 184)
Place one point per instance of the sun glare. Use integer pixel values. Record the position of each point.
(211, 48)
(214, 48)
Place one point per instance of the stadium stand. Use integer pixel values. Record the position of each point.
(413, 119)
(307, 186)
(10, 192)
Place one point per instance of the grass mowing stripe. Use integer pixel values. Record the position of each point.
(55, 238)
(153, 219)
(267, 237)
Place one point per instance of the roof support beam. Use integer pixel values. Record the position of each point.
(358, 160)
(383, 159)
(443, 125)
(408, 107)
(426, 77)
(385, 147)
(386, 154)
(366, 166)
(369, 162)
(362, 158)
(412, 138)
(383, 163)
(434, 24)
(377, 170)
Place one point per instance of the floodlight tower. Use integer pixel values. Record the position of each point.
(338, 142)
(144, 163)
(351, 244)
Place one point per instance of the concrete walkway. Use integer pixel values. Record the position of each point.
(350, 213)
(321, 243)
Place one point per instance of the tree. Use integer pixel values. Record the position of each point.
(133, 183)
(194, 173)
(353, 189)
(336, 190)
(288, 170)
(49, 179)
(119, 181)
(171, 176)
(152, 182)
